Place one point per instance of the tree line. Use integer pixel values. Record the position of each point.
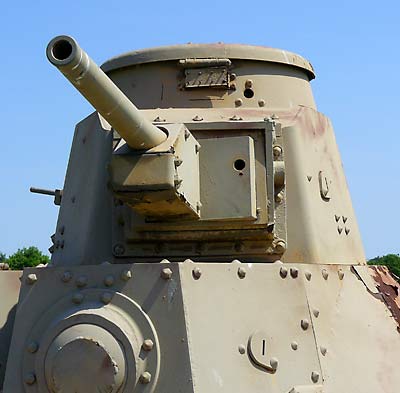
(24, 257)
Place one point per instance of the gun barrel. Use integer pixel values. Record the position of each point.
(138, 132)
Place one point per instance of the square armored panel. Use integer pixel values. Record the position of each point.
(227, 178)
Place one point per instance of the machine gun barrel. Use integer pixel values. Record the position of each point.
(138, 132)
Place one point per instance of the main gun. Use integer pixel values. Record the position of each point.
(75, 64)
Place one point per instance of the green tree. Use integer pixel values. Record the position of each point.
(2, 257)
(392, 261)
(26, 257)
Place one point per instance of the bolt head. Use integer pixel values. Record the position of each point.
(261, 103)
(238, 102)
(279, 197)
(323, 350)
(77, 298)
(66, 277)
(196, 272)
(305, 324)
(294, 345)
(166, 273)
(315, 376)
(248, 84)
(119, 249)
(31, 279)
(294, 272)
(147, 345)
(30, 378)
(280, 246)
(308, 275)
(316, 313)
(325, 274)
(242, 349)
(341, 274)
(241, 272)
(145, 377)
(81, 281)
(274, 363)
(283, 271)
(32, 347)
(106, 297)
(109, 281)
(277, 150)
(126, 275)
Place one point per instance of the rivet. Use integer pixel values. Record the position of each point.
(261, 103)
(241, 272)
(277, 151)
(166, 273)
(347, 231)
(197, 118)
(344, 219)
(274, 363)
(280, 246)
(119, 249)
(309, 178)
(158, 119)
(294, 345)
(305, 324)
(340, 230)
(337, 218)
(62, 230)
(187, 134)
(109, 281)
(178, 162)
(148, 345)
(242, 349)
(77, 298)
(238, 102)
(196, 272)
(341, 274)
(197, 148)
(248, 84)
(283, 271)
(145, 377)
(31, 278)
(106, 297)
(323, 350)
(294, 272)
(315, 376)
(126, 275)
(325, 274)
(316, 313)
(32, 347)
(30, 378)
(308, 275)
(279, 197)
(81, 281)
(235, 118)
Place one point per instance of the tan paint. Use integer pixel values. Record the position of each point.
(225, 257)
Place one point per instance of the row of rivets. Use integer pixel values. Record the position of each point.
(82, 280)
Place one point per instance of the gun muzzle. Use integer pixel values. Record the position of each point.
(138, 132)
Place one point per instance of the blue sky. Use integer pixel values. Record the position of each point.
(353, 45)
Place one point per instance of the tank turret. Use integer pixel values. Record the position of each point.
(206, 239)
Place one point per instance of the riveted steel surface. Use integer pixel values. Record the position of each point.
(133, 303)
(224, 256)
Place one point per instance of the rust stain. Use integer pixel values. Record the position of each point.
(389, 290)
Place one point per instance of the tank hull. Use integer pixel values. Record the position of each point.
(218, 327)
